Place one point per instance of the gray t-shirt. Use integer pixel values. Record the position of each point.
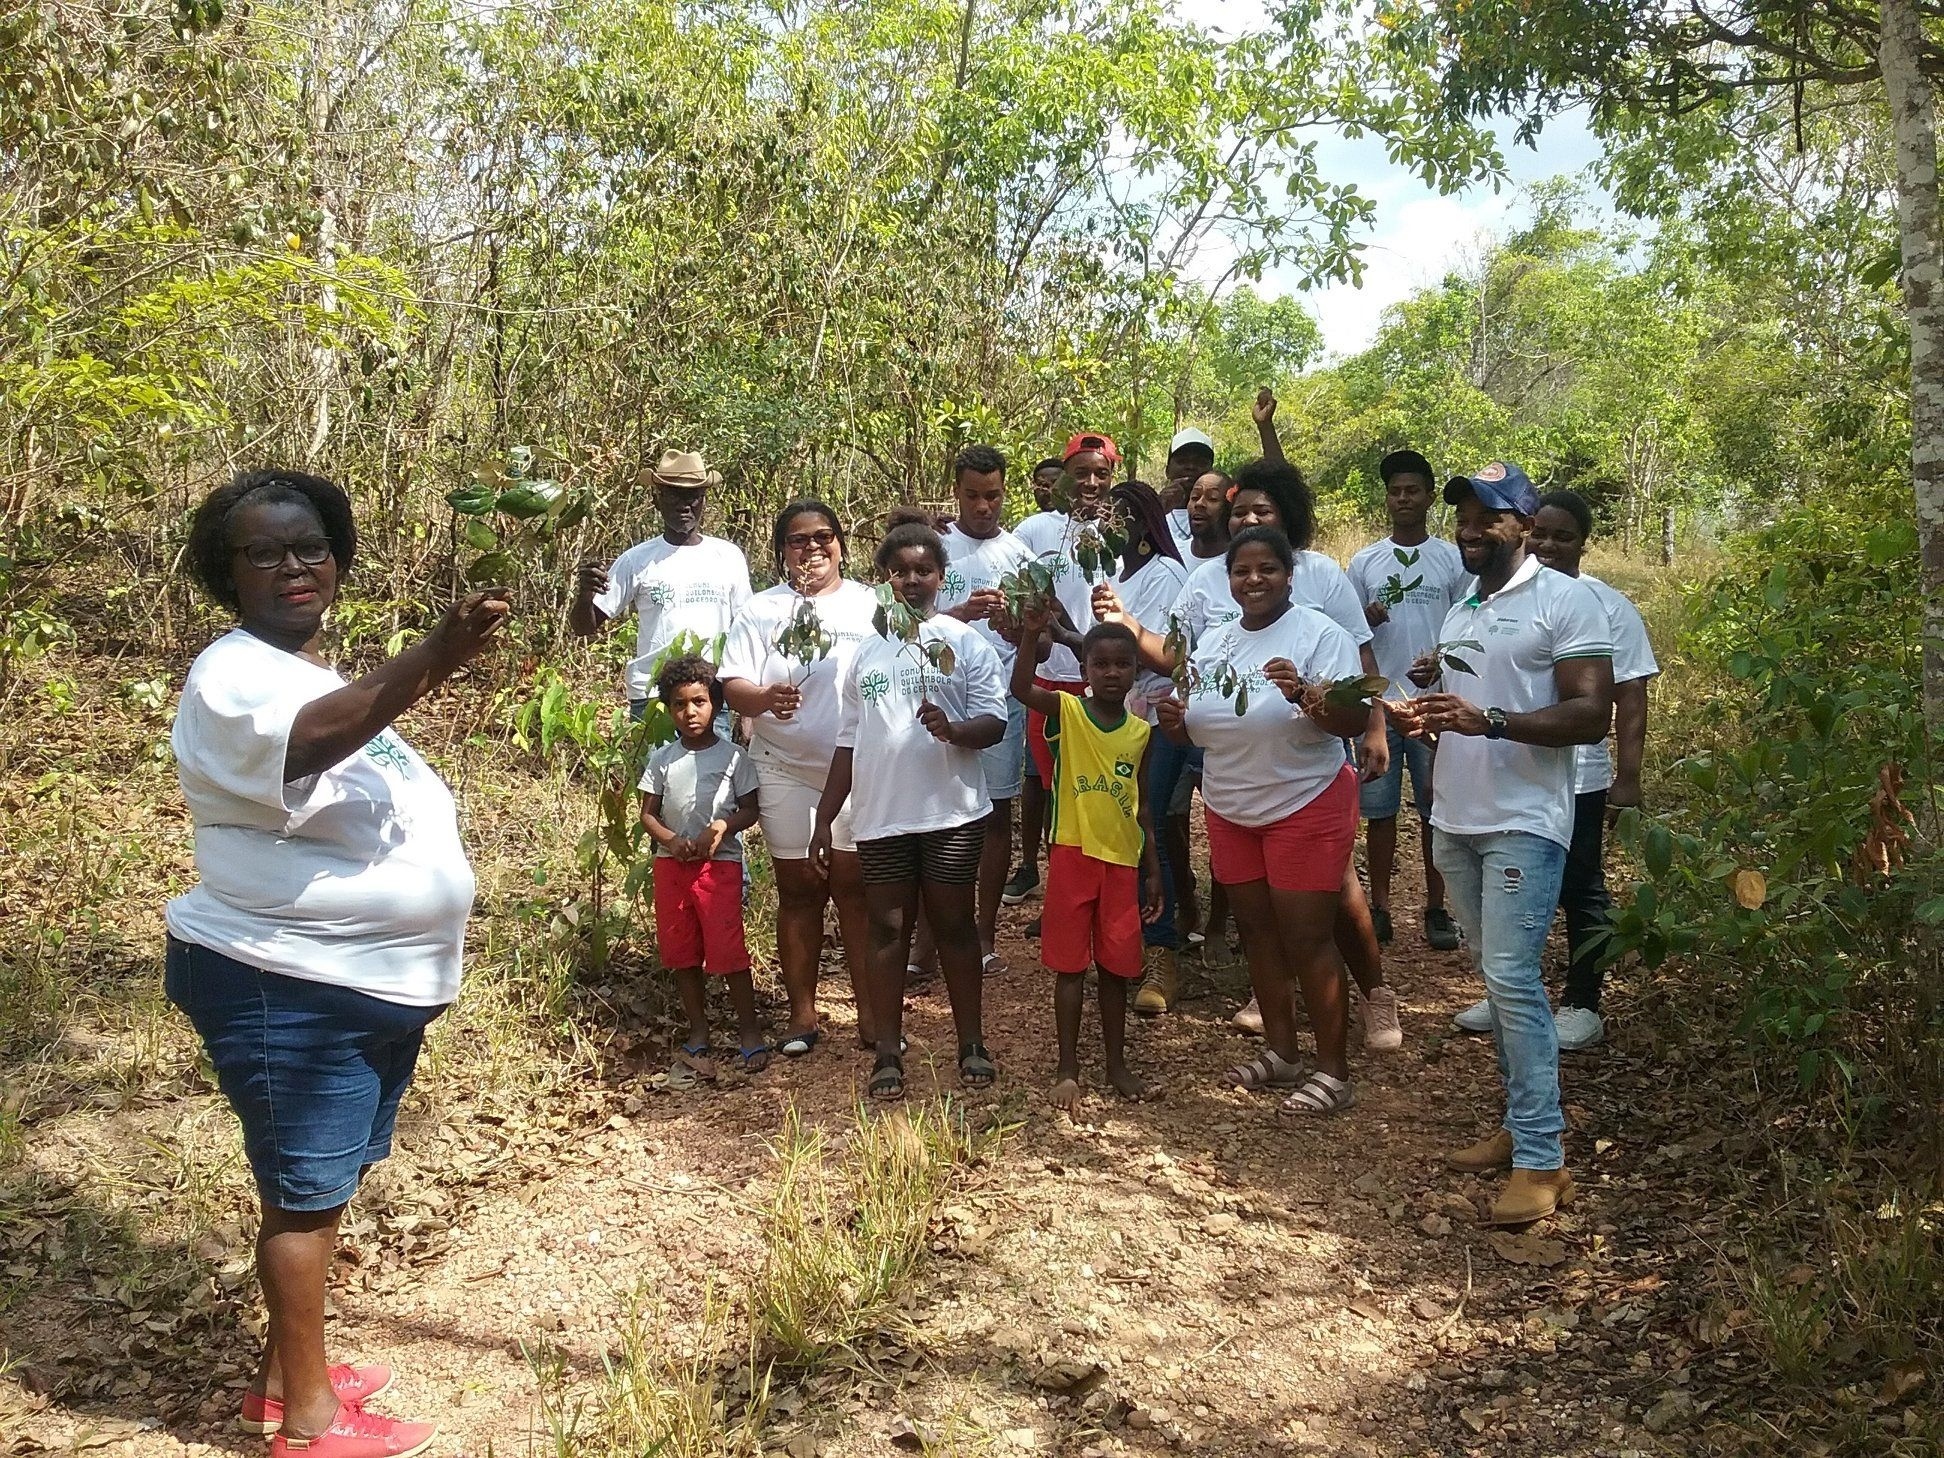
(697, 786)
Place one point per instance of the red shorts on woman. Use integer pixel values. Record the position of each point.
(1036, 745)
(1091, 916)
(699, 914)
(1306, 851)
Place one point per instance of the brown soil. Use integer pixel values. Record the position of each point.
(1199, 1274)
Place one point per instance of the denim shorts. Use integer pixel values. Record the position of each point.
(313, 1071)
(1383, 797)
(1005, 762)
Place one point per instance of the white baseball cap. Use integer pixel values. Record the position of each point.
(1191, 437)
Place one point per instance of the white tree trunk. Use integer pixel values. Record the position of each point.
(1913, 118)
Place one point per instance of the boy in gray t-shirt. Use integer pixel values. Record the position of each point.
(698, 795)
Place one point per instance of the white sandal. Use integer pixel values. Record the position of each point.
(1267, 1070)
(1320, 1094)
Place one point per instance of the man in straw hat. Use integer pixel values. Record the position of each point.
(679, 582)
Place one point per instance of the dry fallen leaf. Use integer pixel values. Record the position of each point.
(1749, 888)
(1528, 1250)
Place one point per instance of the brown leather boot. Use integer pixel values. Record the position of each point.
(1490, 1153)
(1531, 1194)
(1157, 991)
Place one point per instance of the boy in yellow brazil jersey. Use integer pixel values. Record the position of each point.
(1103, 879)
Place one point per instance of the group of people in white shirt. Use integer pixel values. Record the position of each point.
(1517, 675)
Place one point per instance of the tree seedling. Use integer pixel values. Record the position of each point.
(1395, 587)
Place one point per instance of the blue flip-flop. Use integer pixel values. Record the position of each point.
(798, 1045)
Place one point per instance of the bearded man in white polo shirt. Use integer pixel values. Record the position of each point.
(1522, 673)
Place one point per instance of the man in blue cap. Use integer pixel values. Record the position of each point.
(1523, 671)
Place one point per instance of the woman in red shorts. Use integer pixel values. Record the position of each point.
(1282, 808)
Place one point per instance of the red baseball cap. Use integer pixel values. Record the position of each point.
(1091, 442)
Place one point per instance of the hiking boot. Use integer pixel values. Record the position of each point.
(1440, 930)
(1249, 1019)
(1382, 1031)
(355, 1433)
(1579, 1027)
(1022, 885)
(264, 1415)
(1157, 991)
(1380, 919)
(1490, 1153)
(1475, 1019)
(1531, 1194)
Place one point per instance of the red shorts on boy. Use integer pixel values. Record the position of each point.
(1091, 916)
(1306, 851)
(699, 914)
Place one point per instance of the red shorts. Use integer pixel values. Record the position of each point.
(699, 914)
(1091, 916)
(1307, 851)
(1036, 744)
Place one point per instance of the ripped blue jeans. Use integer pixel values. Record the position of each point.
(1503, 888)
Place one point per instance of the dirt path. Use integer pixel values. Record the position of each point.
(1199, 1274)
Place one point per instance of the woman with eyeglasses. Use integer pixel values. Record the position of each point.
(787, 650)
(325, 931)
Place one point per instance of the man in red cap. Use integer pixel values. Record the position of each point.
(1089, 459)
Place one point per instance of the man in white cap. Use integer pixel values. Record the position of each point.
(1191, 455)
(679, 582)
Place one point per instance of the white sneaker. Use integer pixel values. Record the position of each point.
(1382, 1031)
(1475, 1019)
(1579, 1027)
(1249, 1019)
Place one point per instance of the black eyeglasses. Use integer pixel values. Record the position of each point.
(799, 541)
(268, 556)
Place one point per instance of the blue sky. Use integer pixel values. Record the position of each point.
(1419, 234)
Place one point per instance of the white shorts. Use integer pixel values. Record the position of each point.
(787, 812)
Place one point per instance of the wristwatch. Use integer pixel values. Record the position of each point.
(1495, 723)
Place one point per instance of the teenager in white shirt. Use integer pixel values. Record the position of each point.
(328, 920)
(1603, 784)
(1089, 462)
(1407, 583)
(1524, 673)
(907, 762)
(1191, 455)
(1282, 809)
(979, 552)
(679, 582)
(792, 712)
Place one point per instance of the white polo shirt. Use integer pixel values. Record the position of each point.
(1537, 620)
(1633, 659)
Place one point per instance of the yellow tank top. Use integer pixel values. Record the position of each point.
(1097, 782)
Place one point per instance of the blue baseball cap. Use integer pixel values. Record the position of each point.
(1500, 486)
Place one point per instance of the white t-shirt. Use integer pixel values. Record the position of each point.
(975, 563)
(1315, 581)
(354, 876)
(1438, 570)
(675, 590)
(1042, 531)
(904, 781)
(800, 745)
(1633, 658)
(1148, 598)
(1266, 764)
(1182, 532)
(1538, 619)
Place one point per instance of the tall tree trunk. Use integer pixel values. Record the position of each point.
(1913, 118)
(1667, 536)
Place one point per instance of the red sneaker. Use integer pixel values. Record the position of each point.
(355, 1433)
(264, 1415)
